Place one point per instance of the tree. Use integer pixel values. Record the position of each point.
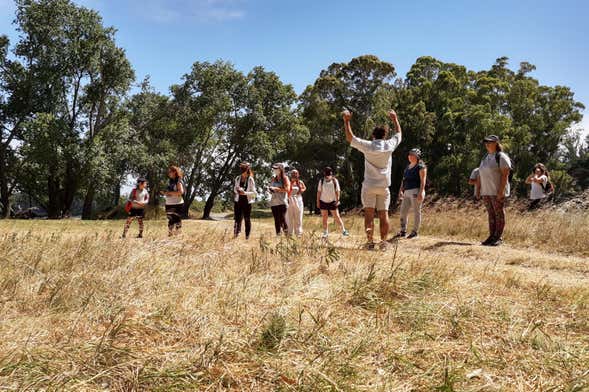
(364, 86)
(15, 108)
(79, 76)
(228, 117)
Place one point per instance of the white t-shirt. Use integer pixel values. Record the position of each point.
(328, 190)
(377, 159)
(141, 196)
(537, 192)
(490, 174)
(175, 200)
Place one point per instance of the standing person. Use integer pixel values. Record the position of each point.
(377, 152)
(279, 187)
(476, 182)
(494, 179)
(328, 194)
(540, 185)
(294, 214)
(174, 200)
(412, 192)
(244, 189)
(137, 200)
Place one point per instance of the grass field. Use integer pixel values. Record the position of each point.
(82, 309)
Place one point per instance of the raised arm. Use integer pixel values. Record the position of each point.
(347, 116)
(395, 119)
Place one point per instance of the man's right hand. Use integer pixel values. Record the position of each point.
(393, 115)
(347, 115)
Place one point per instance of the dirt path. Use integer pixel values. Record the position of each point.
(527, 263)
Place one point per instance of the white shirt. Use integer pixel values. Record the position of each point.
(377, 159)
(141, 196)
(537, 192)
(250, 189)
(175, 200)
(328, 190)
(490, 174)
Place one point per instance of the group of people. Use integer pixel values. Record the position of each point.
(490, 179)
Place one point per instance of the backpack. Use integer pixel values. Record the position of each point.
(548, 188)
(129, 203)
(511, 170)
(334, 182)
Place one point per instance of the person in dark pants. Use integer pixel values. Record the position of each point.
(244, 190)
(174, 200)
(279, 187)
(494, 180)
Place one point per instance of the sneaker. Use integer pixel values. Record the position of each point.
(345, 233)
(369, 245)
(400, 234)
(497, 242)
(412, 235)
(488, 241)
(383, 245)
(325, 235)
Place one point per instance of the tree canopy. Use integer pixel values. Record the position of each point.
(72, 132)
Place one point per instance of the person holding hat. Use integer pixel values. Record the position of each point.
(377, 173)
(138, 199)
(412, 192)
(244, 191)
(294, 213)
(494, 182)
(279, 187)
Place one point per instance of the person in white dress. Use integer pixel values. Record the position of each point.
(294, 213)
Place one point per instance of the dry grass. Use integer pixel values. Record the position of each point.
(84, 310)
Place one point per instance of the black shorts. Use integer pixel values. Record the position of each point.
(138, 212)
(175, 209)
(328, 206)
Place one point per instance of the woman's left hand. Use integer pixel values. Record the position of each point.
(421, 196)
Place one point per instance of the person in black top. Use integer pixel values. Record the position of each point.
(412, 192)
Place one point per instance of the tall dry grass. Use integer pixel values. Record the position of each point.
(83, 310)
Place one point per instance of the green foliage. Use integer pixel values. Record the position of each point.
(69, 132)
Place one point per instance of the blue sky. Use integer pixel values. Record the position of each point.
(297, 39)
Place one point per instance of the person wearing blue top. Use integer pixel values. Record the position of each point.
(412, 192)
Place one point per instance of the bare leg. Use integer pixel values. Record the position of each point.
(383, 217)
(338, 219)
(324, 217)
(369, 223)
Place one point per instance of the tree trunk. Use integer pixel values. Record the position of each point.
(206, 214)
(54, 199)
(5, 200)
(88, 201)
(4, 191)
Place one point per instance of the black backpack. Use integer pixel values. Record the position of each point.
(548, 188)
(511, 170)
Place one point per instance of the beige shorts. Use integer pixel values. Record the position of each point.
(378, 198)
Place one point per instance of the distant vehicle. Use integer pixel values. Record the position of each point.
(29, 213)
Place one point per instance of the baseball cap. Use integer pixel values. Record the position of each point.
(491, 138)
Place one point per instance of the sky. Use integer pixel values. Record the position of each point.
(297, 39)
